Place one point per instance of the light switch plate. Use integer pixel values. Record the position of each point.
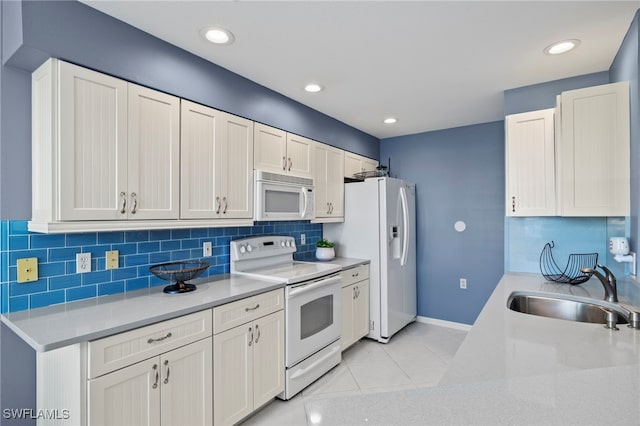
(27, 269)
(113, 259)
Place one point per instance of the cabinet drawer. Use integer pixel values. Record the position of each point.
(120, 350)
(245, 310)
(353, 275)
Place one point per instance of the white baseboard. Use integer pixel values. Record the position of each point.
(443, 323)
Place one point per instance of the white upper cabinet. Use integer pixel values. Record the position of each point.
(530, 164)
(280, 152)
(354, 163)
(329, 183)
(594, 159)
(216, 164)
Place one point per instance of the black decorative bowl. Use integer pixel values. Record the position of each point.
(178, 272)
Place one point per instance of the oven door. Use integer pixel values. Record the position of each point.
(313, 311)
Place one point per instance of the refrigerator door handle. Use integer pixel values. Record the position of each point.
(405, 216)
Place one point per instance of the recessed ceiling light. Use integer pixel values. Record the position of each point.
(561, 47)
(390, 120)
(313, 88)
(218, 35)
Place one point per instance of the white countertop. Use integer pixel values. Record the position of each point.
(520, 369)
(348, 262)
(55, 326)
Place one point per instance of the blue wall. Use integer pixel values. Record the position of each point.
(459, 175)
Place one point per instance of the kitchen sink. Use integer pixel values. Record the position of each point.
(566, 308)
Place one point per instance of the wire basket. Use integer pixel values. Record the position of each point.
(179, 272)
(571, 273)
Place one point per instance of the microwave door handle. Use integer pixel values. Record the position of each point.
(305, 201)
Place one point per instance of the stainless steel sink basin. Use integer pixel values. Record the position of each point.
(566, 308)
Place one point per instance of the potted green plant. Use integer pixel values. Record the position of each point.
(325, 250)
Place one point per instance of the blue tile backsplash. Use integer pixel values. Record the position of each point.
(56, 253)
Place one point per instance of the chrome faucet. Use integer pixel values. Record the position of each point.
(608, 282)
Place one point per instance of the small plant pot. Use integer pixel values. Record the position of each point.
(325, 253)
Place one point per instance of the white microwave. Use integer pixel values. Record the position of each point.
(283, 197)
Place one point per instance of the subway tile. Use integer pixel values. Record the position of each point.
(126, 249)
(136, 260)
(97, 251)
(20, 289)
(84, 239)
(149, 247)
(112, 287)
(18, 227)
(100, 263)
(160, 257)
(189, 244)
(159, 234)
(215, 232)
(19, 303)
(222, 241)
(137, 283)
(21, 254)
(196, 254)
(18, 242)
(123, 274)
(199, 233)
(13, 273)
(110, 237)
(79, 293)
(4, 267)
(96, 277)
(46, 299)
(60, 254)
(143, 271)
(136, 236)
(65, 281)
(169, 245)
(46, 270)
(47, 240)
(230, 231)
(4, 298)
(180, 255)
(180, 234)
(155, 281)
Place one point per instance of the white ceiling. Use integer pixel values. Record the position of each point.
(431, 64)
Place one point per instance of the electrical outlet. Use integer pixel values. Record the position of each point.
(83, 263)
(207, 251)
(303, 239)
(112, 259)
(463, 283)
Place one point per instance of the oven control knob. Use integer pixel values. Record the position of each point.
(249, 248)
(282, 243)
(243, 249)
(288, 243)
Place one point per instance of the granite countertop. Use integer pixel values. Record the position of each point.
(515, 368)
(55, 326)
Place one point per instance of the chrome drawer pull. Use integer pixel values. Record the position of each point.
(159, 339)
(252, 309)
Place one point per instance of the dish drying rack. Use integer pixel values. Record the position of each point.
(571, 273)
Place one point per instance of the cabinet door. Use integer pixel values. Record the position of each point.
(361, 310)
(594, 151)
(93, 144)
(233, 374)
(352, 164)
(236, 168)
(268, 358)
(348, 299)
(270, 149)
(201, 137)
(299, 155)
(130, 396)
(335, 181)
(153, 154)
(187, 385)
(321, 174)
(369, 165)
(530, 164)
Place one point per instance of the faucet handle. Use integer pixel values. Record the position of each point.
(610, 277)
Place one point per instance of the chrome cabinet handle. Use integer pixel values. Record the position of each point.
(166, 364)
(357, 292)
(513, 204)
(155, 384)
(159, 339)
(224, 199)
(284, 163)
(290, 164)
(328, 209)
(353, 296)
(134, 199)
(331, 205)
(250, 336)
(258, 331)
(123, 198)
(219, 205)
(252, 309)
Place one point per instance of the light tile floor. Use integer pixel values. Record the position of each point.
(416, 357)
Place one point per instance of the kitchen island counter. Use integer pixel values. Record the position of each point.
(515, 368)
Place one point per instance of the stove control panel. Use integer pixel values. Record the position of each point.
(261, 247)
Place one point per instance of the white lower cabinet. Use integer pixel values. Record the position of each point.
(174, 388)
(248, 367)
(355, 305)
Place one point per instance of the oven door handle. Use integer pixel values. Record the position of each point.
(313, 286)
(315, 364)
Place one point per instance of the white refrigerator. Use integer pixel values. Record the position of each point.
(380, 225)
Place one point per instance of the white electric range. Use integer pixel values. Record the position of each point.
(313, 305)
